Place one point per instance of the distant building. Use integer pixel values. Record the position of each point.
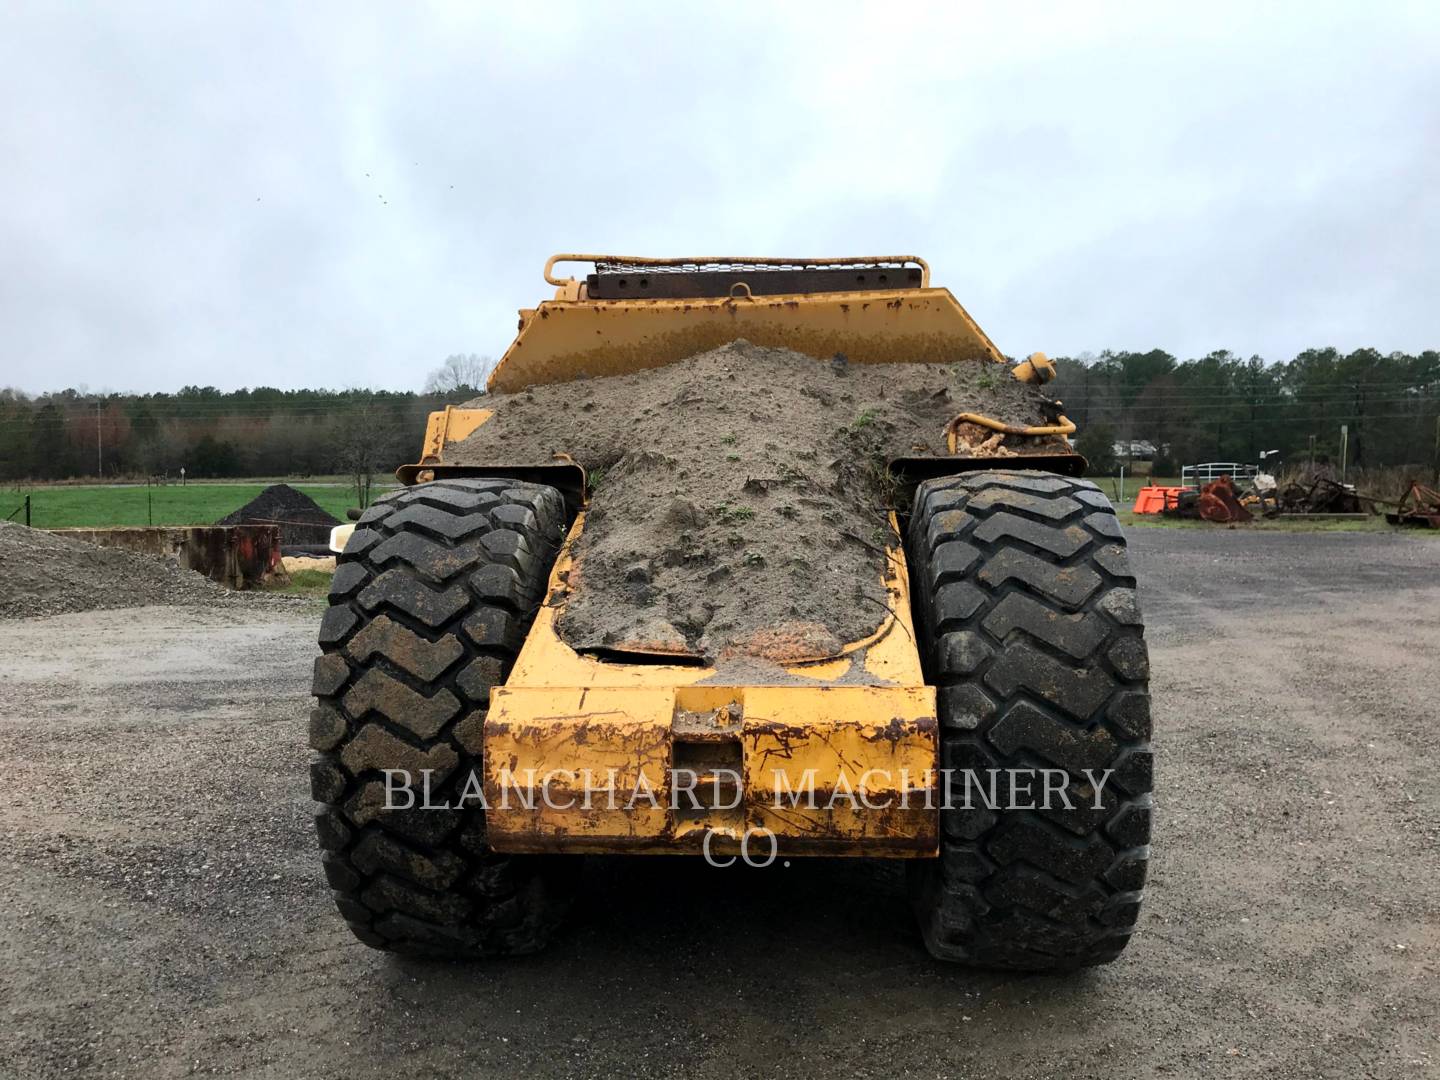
(1137, 455)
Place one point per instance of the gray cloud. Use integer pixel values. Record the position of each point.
(198, 194)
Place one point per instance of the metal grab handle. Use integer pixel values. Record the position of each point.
(1063, 426)
(731, 260)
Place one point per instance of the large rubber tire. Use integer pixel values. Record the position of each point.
(431, 601)
(1031, 633)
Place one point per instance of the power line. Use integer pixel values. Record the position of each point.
(139, 409)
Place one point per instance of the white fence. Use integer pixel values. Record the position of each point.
(1210, 471)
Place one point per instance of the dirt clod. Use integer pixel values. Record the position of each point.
(739, 496)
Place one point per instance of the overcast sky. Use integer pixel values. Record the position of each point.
(295, 195)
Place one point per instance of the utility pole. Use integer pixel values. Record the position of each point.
(1254, 411)
(99, 445)
(1359, 424)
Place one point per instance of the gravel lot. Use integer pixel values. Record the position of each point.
(162, 911)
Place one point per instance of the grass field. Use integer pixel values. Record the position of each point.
(63, 506)
(1110, 485)
(96, 506)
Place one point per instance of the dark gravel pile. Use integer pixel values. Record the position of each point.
(301, 519)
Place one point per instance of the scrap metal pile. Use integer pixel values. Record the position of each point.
(1320, 494)
(1420, 505)
(1217, 501)
(1315, 492)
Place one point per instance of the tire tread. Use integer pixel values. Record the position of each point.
(1036, 647)
(430, 604)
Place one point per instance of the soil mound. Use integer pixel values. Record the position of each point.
(739, 496)
(42, 574)
(301, 519)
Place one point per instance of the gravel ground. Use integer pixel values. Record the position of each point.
(162, 912)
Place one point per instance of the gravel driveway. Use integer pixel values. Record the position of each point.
(162, 911)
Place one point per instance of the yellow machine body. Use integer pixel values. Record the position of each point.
(574, 335)
(653, 752)
(589, 754)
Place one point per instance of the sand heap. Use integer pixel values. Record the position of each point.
(43, 574)
(739, 496)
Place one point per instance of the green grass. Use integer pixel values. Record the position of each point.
(1110, 485)
(725, 514)
(64, 506)
(93, 506)
(311, 583)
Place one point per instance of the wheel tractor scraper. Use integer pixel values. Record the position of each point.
(985, 717)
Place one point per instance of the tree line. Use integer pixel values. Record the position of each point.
(209, 433)
(1218, 407)
(1221, 407)
(219, 434)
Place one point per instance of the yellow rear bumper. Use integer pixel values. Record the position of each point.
(823, 770)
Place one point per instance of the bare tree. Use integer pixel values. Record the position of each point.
(366, 442)
(462, 371)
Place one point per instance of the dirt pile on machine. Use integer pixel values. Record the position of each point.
(738, 496)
